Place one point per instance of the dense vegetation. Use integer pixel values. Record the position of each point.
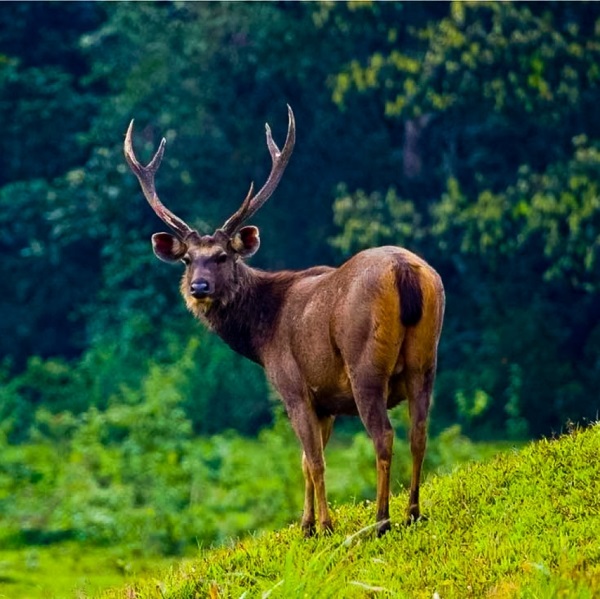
(467, 132)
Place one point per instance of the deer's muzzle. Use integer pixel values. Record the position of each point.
(200, 289)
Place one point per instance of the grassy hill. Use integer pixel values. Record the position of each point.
(525, 524)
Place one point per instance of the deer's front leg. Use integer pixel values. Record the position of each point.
(308, 516)
(313, 434)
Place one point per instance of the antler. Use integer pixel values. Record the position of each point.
(280, 159)
(145, 175)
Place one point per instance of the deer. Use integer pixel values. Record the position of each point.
(352, 340)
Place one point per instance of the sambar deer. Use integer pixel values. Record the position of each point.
(354, 340)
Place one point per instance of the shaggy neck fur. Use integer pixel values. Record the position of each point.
(247, 318)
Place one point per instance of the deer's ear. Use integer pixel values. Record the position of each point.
(167, 247)
(246, 241)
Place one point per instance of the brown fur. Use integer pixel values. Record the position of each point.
(353, 340)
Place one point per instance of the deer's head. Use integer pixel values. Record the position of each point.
(210, 260)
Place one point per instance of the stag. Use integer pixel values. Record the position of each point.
(353, 340)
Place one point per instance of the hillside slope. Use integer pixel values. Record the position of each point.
(525, 524)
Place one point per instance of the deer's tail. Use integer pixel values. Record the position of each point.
(411, 295)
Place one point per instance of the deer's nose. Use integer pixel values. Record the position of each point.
(200, 288)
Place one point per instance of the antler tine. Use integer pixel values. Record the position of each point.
(280, 159)
(145, 175)
(240, 215)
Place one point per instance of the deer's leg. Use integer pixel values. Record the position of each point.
(419, 386)
(370, 395)
(308, 516)
(308, 429)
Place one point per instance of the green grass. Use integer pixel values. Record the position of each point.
(69, 570)
(525, 524)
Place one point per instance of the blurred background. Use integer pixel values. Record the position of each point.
(466, 132)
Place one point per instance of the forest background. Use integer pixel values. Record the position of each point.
(466, 132)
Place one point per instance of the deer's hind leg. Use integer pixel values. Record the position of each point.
(370, 344)
(419, 385)
(370, 394)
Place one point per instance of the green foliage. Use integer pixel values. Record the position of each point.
(375, 219)
(552, 216)
(217, 389)
(43, 104)
(480, 72)
(527, 520)
(49, 382)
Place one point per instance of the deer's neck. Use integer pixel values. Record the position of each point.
(248, 321)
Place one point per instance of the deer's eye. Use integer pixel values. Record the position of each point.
(221, 258)
(186, 260)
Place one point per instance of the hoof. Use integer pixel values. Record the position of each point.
(308, 529)
(327, 527)
(383, 527)
(414, 518)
